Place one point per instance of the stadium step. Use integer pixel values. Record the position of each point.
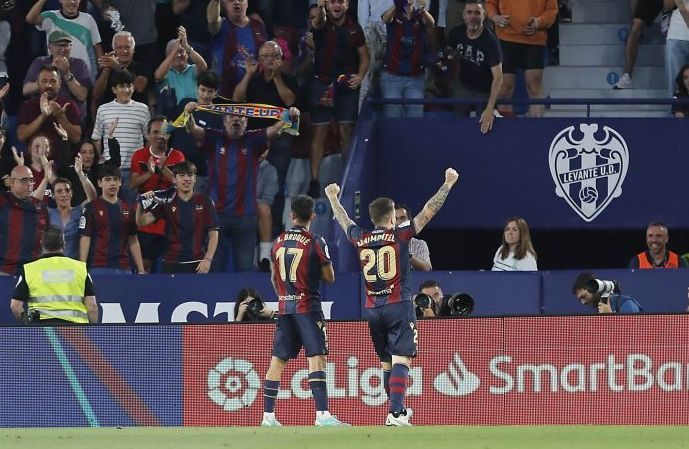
(599, 11)
(607, 93)
(614, 32)
(600, 77)
(610, 54)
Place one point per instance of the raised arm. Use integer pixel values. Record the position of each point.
(34, 15)
(434, 204)
(319, 20)
(274, 129)
(213, 17)
(191, 127)
(332, 191)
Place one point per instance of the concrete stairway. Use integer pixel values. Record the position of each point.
(592, 60)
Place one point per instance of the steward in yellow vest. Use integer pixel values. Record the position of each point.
(55, 288)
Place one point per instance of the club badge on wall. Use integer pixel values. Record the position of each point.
(588, 167)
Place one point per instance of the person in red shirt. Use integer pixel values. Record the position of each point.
(150, 168)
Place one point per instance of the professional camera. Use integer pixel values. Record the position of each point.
(422, 301)
(255, 307)
(33, 317)
(460, 304)
(602, 287)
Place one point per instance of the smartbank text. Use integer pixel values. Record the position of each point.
(611, 373)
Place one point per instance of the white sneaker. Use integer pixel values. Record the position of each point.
(624, 83)
(402, 420)
(270, 421)
(329, 421)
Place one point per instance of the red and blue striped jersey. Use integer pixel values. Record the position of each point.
(384, 256)
(187, 224)
(109, 226)
(233, 168)
(297, 257)
(337, 49)
(407, 46)
(22, 223)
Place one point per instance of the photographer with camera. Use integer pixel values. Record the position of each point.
(605, 296)
(57, 290)
(431, 302)
(249, 306)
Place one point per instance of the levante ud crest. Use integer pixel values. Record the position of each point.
(588, 167)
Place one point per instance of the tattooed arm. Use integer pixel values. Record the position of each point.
(338, 211)
(434, 204)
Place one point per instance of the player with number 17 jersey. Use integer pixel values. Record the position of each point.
(384, 256)
(298, 256)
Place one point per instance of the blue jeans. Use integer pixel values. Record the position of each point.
(676, 55)
(395, 86)
(239, 234)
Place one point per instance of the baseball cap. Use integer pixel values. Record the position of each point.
(59, 36)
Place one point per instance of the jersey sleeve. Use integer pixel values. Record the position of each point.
(354, 233)
(406, 231)
(322, 251)
(21, 290)
(86, 221)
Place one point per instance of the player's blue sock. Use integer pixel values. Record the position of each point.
(319, 390)
(398, 386)
(386, 382)
(270, 393)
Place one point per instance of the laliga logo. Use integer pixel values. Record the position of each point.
(233, 384)
(588, 173)
(457, 380)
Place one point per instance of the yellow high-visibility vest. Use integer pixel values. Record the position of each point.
(56, 288)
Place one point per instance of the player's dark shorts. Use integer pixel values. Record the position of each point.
(297, 330)
(648, 10)
(345, 108)
(393, 330)
(521, 56)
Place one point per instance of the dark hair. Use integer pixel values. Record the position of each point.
(208, 78)
(49, 68)
(380, 209)
(428, 284)
(524, 247)
(109, 170)
(96, 152)
(679, 80)
(184, 168)
(62, 181)
(156, 118)
(581, 281)
(53, 239)
(302, 206)
(122, 76)
(241, 296)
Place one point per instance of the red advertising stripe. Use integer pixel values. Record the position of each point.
(536, 370)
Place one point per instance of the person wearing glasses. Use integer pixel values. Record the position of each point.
(23, 218)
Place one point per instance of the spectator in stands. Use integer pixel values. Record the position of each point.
(615, 302)
(645, 12)
(243, 312)
(23, 218)
(521, 27)
(132, 126)
(419, 255)
(107, 229)
(151, 169)
(303, 63)
(370, 15)
(407, 52)
(516, 252)
(682, 92)
(657, 255)
(265, 83)
(41, 113)
(266, 190)
(74, 73)
(193, 17)
(236, 39)
(71, 300)
(64, 215)
(139, 18)
(39, 160)
(175, 73)
(236, 152)
(479, 60)
(6, 160)
(340, 65)
(677, 43)
(206, 91)
(121, 57)
(70, 20)
(191, 223)
(5, 36)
